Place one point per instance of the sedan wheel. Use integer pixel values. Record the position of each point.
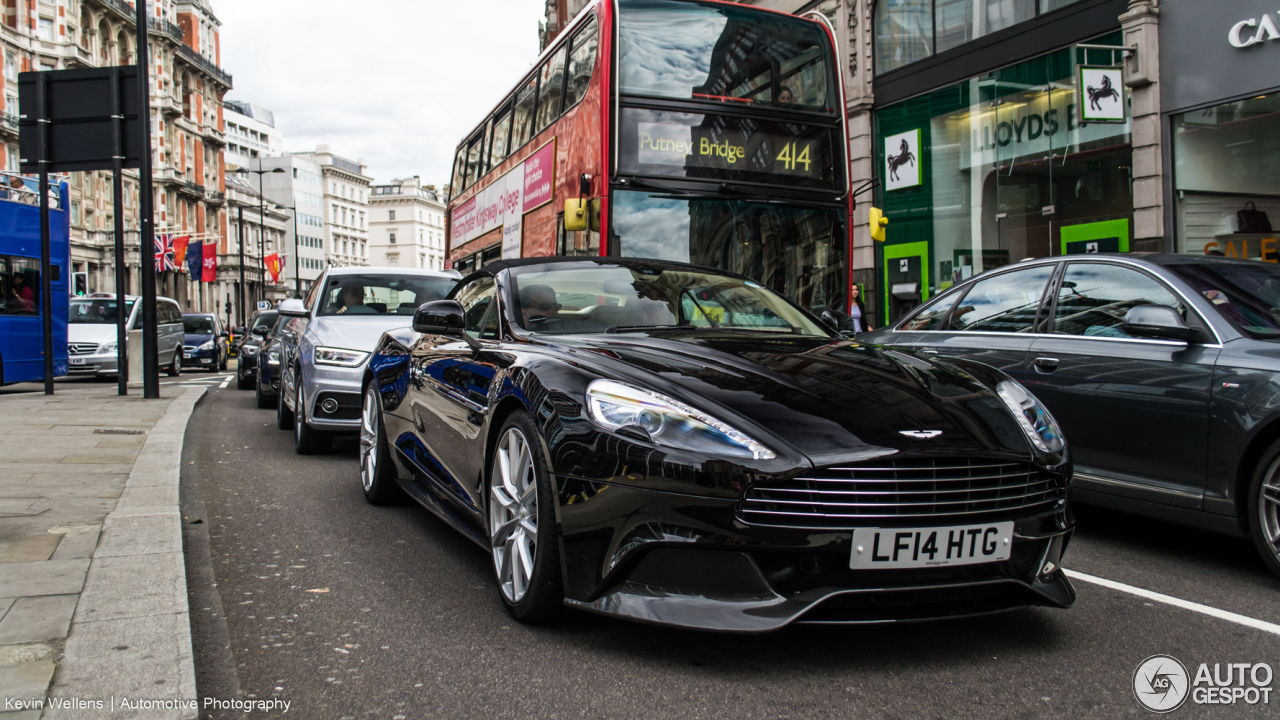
(1264, 508)
(522, 530)
(306, 440)
(377, 475)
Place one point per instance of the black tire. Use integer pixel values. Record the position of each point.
(543, 597)
(242, 382)
(264, 401)
(284, 416)
(306, 440)
(222, 364)
(175, 367)
(1263, 513)
(377, 469)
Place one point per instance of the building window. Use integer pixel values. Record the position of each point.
(391, 215)
(910, 30)
(46, 29)
(393, 260)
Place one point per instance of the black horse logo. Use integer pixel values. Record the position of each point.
(902, 158)
(1099, 93)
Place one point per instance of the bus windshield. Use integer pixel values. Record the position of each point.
(792, 249)
(96, 311)
(722, 53)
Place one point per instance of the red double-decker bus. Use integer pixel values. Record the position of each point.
(685, 130)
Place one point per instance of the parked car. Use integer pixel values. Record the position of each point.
(247, 362)
(721, 459)
(1164, 371)
(205, 343)
(267, 385)
(91, 333)
(330, 337)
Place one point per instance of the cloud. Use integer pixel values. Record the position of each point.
(397, 83)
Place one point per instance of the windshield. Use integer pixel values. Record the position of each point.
(726, 54)
(1247, 295)
(381, 294)
(797, 251)
(593, 298)
(96, 312)
(264, 318)
(197, 325)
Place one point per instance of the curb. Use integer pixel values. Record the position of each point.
(130, 637)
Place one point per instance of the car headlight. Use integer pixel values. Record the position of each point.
(107, 348)
(273, 357)
(668, 421)
(250, 350)
(1032, 416)
(339, 357)
(206, 346)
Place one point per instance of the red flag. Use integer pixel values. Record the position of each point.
(210, 272)
(274, 266)
(180, 251)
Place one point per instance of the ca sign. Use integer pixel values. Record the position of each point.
(1253, 31)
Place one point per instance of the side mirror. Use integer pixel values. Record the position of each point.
(260, 330)
(293, 308)
(1156, 321)
(440, 317)
(837, 320)
(575, 214)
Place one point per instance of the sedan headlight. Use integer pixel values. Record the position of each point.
(250, 350)
(667, 421)
(107, 348)
(1032, 416)
(273, 357)
(339, 357)
(206, 346)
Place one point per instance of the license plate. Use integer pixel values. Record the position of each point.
(77, 361)
(186, 355)
(888, 548)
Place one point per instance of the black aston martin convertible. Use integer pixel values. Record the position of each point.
(683, 446)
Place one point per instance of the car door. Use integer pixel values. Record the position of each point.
(443, 408)
(170, 333)
(1135, 412)
(994, 321)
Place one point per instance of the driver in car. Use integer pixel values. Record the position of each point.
(538, 302)
(353, 301)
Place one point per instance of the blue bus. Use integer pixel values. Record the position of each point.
(21, 314)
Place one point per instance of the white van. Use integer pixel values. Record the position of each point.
(91, 333)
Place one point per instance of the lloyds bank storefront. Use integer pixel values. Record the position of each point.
(983, 162)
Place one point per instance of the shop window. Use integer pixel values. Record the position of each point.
(910, 30)
(1225, 160)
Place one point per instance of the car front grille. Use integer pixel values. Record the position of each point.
(904, 493)
(82, 348)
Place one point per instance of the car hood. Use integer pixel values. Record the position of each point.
(90, 332)
(359, 332)
(197, 339)
(834, 401)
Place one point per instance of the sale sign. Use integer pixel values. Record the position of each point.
(503, 203)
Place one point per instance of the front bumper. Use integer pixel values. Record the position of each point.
(343, 386)
(691, 562)
(96, 364)
(199, 358)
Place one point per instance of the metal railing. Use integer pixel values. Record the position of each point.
(119, 6)
(204, 63)
(9, 121)
(193, 188)
(216, 196)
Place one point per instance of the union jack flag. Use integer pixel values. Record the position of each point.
(166, 257)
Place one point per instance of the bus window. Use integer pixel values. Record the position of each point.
(501, 131)
(473, 158)
(459, 171)
(581, 62)
(522, 120)
(552, 85)
(20, 283)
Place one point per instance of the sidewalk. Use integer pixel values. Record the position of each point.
(93, 595)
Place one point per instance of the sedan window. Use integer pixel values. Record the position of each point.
(932, 315)
(1003, 303)
(1095, 297)
(1246, 294)
(475, 299)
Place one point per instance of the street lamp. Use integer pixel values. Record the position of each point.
(262, 222)
(297, 274)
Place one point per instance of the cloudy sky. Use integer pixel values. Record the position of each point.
(396, 82)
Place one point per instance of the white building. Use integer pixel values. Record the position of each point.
(300, 189)
(251, 134)
(406, 225)
(346, 206)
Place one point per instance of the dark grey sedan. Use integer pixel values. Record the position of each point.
(1162, 370)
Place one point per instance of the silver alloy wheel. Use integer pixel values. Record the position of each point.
(513, 514)
(369, 439)
(1269, 507)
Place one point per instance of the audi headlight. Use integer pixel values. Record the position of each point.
(206, 346)
(273, 357)
(1032, 416)
(107, 348)
(669, 422)
(250, 350)
(341, 358)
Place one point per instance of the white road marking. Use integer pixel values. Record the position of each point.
(1245, 620)
(225, 382)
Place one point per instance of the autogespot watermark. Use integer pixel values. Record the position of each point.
(1162, 684)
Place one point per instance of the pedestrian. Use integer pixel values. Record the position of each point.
(858, 313)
